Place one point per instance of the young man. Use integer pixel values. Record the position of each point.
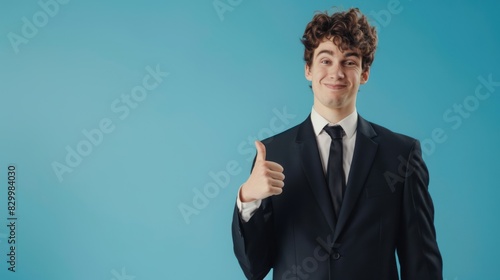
(337, 196)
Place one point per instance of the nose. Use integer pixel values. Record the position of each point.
(336, 71)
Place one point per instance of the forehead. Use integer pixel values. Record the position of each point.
(330, 48)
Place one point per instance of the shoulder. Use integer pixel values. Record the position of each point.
(385, 137)
(288, 136)
(395, 136)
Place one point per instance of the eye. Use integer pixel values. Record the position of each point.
(325, 61)
(350, 63)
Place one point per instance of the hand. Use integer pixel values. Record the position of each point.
(265, 180)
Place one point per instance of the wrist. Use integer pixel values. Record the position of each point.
(244, 196)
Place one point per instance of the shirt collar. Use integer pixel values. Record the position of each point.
(348, 123)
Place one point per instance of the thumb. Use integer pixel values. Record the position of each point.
(261, 150)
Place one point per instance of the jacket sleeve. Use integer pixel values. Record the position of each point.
(253, 241)
(417, 248)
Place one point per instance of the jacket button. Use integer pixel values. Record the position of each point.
(336, 256)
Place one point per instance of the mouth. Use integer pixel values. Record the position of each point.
(336, 86)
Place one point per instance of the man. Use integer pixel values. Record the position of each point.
(336, 197)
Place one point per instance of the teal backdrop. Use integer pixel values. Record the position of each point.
(129, 126)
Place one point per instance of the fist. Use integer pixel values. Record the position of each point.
(265, 180)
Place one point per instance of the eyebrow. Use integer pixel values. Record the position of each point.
(348, 54)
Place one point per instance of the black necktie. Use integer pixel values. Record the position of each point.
(335, 171)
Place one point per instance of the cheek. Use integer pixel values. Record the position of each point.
(356, 77)
(320, 74)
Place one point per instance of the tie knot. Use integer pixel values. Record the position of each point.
(335, 132)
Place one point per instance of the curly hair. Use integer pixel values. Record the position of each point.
(348, 30)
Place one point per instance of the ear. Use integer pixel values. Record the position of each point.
(364, 76)
(307, 72)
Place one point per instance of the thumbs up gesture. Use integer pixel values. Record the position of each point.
(265, 180)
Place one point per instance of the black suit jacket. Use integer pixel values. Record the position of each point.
(386, 209)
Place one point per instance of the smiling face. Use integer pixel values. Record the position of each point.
(335, 76)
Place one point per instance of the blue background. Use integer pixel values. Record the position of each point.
(117, 214)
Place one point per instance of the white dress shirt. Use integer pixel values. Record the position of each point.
(349, 125)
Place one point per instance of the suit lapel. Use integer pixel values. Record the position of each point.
(311, 164)
(364, 154)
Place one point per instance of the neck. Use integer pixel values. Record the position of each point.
(333, 115)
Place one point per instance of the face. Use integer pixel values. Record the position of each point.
(335, 78)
